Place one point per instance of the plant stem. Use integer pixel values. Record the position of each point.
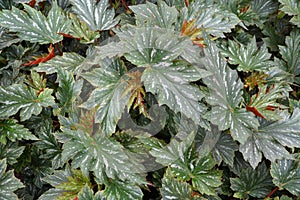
(272, 192)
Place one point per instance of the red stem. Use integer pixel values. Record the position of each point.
(125, 5)
(186, 3)
(272, 192)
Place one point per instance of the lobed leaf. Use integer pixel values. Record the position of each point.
(96, 15)
(13, 131)
(72, 62)
(256, 183)
(150, 14)
(248, 58)
(286, 175)
(225, 96)
(172, 87)
(109, 97)
(21, 98)
(271, 138)
(8, 182)
(292, 7)
(33, 26)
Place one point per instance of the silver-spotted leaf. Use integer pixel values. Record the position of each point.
(256, 183)
(160, 15)
(172, 87)
(271, 138)
(286, 175)
(248, 58)
(33, 26)
(13, 131)
(110, 96)
(69, 61)
(8, 183)
(21, 98)
(96, 14)
(225, 97)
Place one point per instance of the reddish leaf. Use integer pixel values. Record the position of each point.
(42, 59)
(76, 198)
(255, 111)
(32, 3)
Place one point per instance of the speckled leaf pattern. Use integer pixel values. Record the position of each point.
(292, 7)
(272, 138)
(291, 54)
(148, 46)
(100, 155)
(205, 178)
(175, 189)
(20, 97)
(13, 131)
(172, 87)
(225, 97)
(96, 14)
(160, 15)
(286, 175)
(248, 58)
(69, 61)
(211, 17)
(109, 96)
(256, 183)
(33, 26)
(8, 183)
(68, 91)
(117, 190)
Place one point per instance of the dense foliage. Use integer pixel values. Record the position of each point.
(174, 99)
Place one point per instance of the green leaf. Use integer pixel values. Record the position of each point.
(50, 145)
(266, 100)
(67, 183)
(224, 149)
(292, 7)
(205, 178)
(172, 152)
(271, 138)
(109, 97)
(11, 130)
(7, 39)
(210, 17)
(95, 154)
(87, 194)
(172, 86)
(185, 166)
(248, 58)
(20, 97)
(67, 91)
(256, 183)
(291, 55)
(79, 29)
(97, 15)
(150, 14)
(11, 151)
(145, 46)
(286, 175)
(8, 183)
(174, 189)
(225, 97)
(117, 190)
(33, 26)
(220, 144)
(69, 61)
(148, 46)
